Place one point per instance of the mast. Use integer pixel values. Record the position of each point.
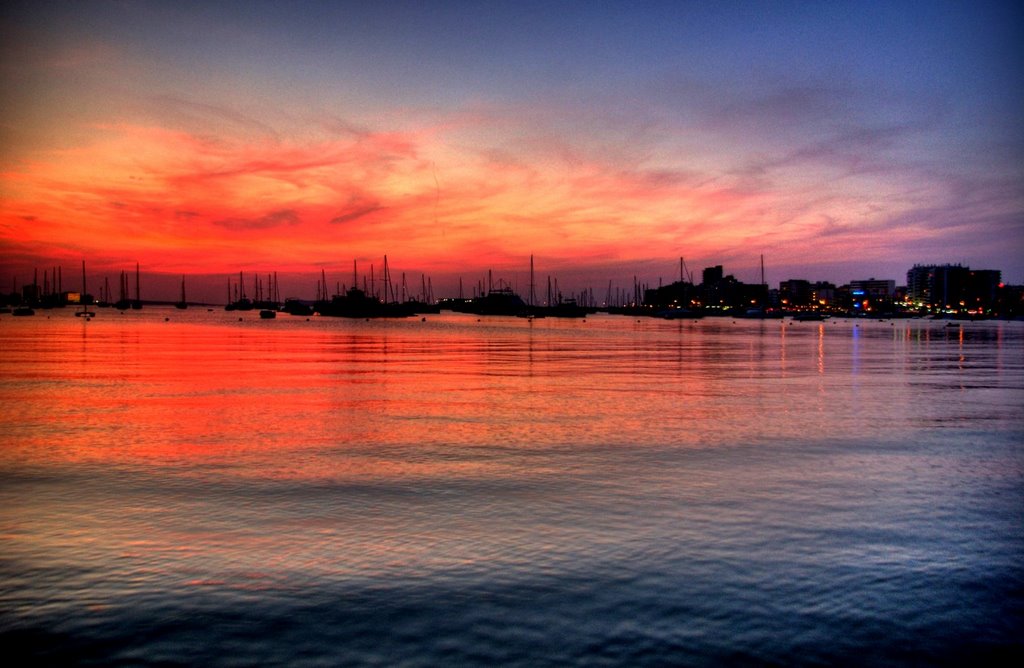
(532, 287)
(85, 309)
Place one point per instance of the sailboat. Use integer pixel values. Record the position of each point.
(137, 304)
(85, 309)
(182, 304)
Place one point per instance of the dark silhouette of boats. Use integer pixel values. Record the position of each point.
(566, 308)
(418, 307)
(182, 304)
(268, 314)
(104, 301)
(498, 301)
(296, 307)
(261, 301)
(125, 302)
(267, 300)
(85, 312)
(137, 304)
(357, 304)
(424, 302)
(241, 302)
(23, 311)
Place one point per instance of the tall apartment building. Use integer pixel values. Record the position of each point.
(952, 286)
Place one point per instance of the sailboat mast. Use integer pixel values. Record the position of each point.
(532, 286)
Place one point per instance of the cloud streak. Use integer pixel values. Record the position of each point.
(223, 156)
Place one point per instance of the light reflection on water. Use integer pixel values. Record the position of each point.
(204, 490)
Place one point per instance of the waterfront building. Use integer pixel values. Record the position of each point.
(823, 293)
(873, 288)
(795, 292)
(953, 287)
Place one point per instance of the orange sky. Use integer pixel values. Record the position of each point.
(214, 157)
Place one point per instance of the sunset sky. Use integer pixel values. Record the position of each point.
(841, 140)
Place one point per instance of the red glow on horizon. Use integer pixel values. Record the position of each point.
(180, 203)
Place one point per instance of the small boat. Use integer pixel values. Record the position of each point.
(267, 314)
(23, 310)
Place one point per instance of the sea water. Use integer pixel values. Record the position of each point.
(207, 488)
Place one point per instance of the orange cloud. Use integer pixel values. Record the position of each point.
(184, 202)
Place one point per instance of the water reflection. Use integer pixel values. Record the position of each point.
(616, 491)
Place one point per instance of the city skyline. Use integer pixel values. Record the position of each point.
(404, 286)
(605, 139)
